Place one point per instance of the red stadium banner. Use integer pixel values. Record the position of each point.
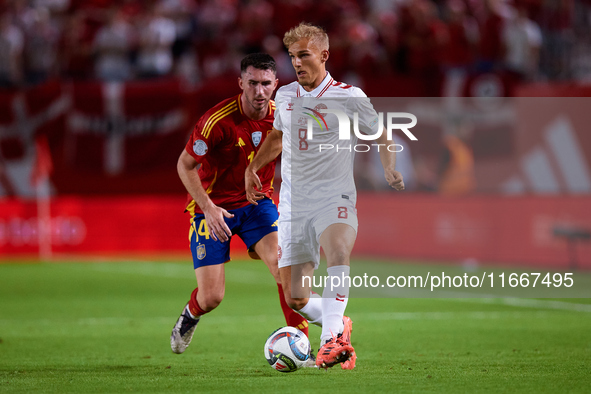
(24, 116)
(124, 138)
(104, 138)
(101, 225)
(508, 231)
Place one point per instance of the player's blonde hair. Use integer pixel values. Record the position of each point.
(316, 34)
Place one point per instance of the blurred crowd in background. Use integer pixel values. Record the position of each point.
(198, 40)
(171, 60)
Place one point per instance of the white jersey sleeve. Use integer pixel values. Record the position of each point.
(368, 120)
(278, 123)
(283, 99)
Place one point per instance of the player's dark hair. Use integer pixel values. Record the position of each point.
(260, 61)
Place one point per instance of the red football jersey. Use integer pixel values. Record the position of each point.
(225, 142)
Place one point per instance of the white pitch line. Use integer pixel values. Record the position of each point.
(167, 270)
(459, 296)
(529, 303)
(475, 315)
(124, 321)
(246, 276)
(378, 316)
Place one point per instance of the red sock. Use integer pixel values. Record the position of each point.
(194, 307)
(292, 318)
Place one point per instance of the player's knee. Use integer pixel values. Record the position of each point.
(338, 256)
(271, 263)
(211, 301)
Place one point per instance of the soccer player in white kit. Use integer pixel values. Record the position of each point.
(317, 197)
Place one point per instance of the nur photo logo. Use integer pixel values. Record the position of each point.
(393, 122)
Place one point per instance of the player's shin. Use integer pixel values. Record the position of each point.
(334, 301)
(292, 318)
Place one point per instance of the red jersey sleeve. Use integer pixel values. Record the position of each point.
(204, 138)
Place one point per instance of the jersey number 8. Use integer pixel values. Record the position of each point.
(302, 134)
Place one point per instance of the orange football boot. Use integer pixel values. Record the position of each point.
(345, 337)
(332, 353)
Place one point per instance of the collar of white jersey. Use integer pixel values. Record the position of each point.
(320, 89)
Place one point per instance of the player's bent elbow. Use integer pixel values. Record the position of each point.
(180, 169)
(185, 164)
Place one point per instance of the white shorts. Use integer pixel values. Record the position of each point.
(299, 232)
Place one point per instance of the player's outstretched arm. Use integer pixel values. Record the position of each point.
(388, 159)
(214, 215)
(268, 152)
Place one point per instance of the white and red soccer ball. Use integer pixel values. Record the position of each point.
(287, 349)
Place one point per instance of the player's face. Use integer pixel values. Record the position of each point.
(309, 63)
(257, 87)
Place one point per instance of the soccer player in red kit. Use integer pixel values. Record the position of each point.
(211, 167)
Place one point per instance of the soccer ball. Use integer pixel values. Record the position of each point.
(287, 349)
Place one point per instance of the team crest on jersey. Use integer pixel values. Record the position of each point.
(320, 106)
(256, 137)
(200, 251)
(200, 147)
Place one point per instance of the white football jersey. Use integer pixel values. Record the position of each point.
(319, 169)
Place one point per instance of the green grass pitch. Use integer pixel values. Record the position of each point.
(105, 327)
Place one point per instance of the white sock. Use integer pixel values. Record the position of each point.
(334, 301)
(190, 314)
(312, 311)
